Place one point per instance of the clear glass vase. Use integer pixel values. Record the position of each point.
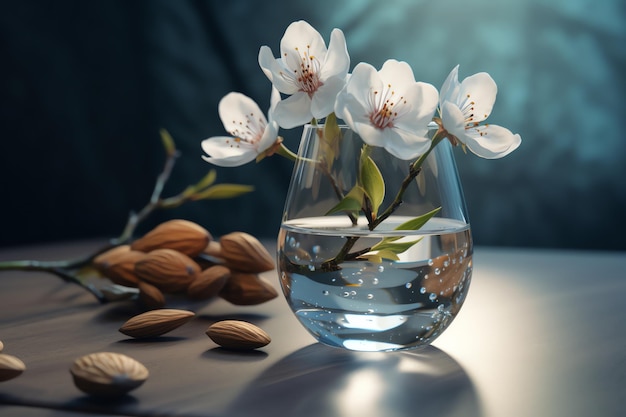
(368, 288)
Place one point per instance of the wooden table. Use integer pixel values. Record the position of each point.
(542, 333)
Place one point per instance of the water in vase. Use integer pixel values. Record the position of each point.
(375, 306)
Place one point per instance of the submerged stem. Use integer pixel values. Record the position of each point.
(414, 170)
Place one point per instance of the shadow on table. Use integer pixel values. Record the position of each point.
(322, 381)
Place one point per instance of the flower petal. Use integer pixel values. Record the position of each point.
(241, 116)
(293, 111)
(405, 145)
(323, 101)
(398, 74)
(491, 141)
(452, 119)
(225, 151)
(337, 60)
(269, 137)
(274, 100)
(481, 90)
(363, 81)
(350, 110)
(423, 99)
(274, 71)
(450, 88)
(370, 134)
(300, 36)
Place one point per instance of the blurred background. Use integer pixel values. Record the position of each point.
(86, 86)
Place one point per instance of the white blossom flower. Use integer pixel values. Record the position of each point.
(306, 71)
(252, 134)
(463, 106)
(389, 108)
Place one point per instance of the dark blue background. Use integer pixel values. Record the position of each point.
(86, 85)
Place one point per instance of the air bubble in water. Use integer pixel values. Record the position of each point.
(352, 292)
(430, 262)
(370, 296)
(292, 242)
(437, 271)
(381, 268)
(408, 285)
(446, 263)
(423, 290)
(375, 281)
(325, 292)
(315, 249)
(370, 310)
(432, 297)
(359, 281)
(346, 294)
(311, 268)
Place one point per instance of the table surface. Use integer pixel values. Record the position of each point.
(541, 334)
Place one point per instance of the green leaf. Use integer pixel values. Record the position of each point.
(418, 222)
(220, 191)
(351, 203)
(168, 142)
(372, 181)
(208, 179)
(378, 256)
(395, 247)
(331, 138)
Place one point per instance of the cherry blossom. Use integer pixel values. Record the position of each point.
(388, 108)
(465, 106)
(309, 73)
(251, 133)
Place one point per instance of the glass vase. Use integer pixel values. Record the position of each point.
(386, 288)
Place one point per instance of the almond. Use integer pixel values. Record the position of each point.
(245, 253)
(211, 255)
(155, 323)
(120, 268)
(247, 289)
(10, 367)
(237, 335)
(105, 259)
(108, 374)
(213, 249)
(150, 296)
(208, 283)
(168, 270)
(181, 235)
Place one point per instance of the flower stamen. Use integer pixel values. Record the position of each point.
(250, 131)
(306, 75)
(385, 108)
